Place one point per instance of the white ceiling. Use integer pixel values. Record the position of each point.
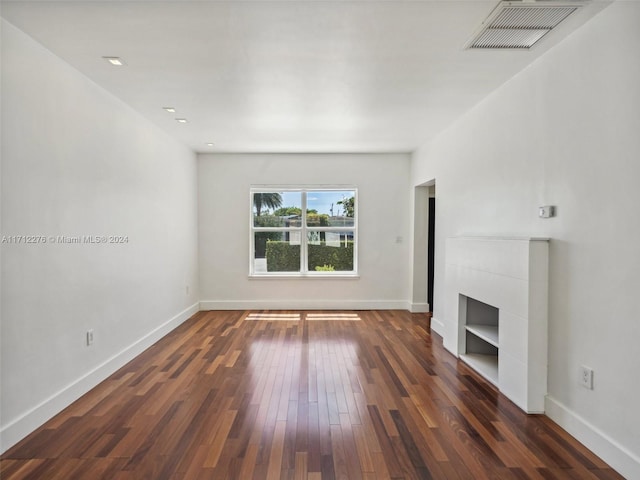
(286, 76)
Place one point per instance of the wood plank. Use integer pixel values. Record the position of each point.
(375, 396)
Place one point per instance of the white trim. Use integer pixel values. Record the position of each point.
(287, 304)
(617, 456)
(438, 327)
(298, 276)
(419, 307)
(30, 420)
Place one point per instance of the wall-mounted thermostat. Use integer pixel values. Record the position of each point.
(547, 211)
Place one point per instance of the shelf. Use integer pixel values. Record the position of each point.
(485, 365)
(488, 333)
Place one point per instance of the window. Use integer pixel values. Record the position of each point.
(320, 242)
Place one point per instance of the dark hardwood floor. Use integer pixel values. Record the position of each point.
(299, 395)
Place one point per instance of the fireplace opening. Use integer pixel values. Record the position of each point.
(481, 336)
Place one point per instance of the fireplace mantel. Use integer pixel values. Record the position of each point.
(510, 274)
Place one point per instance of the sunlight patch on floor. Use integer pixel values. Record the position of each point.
(333, 316)
(295, 317)
(287, 317)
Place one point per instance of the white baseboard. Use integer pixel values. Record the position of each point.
(304, 305)
(22, 426)
(617, 456)
(419, 307)
(437, 326)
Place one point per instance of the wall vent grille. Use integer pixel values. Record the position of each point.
(520, 25)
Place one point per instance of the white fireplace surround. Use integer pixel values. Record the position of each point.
(510, 274)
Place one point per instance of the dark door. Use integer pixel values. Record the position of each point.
(431, 249)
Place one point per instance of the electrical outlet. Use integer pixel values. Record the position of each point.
(89, 338)
(187, 289)
(586, 377)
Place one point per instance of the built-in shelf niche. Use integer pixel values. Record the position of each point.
(481, 339)
(496, 293)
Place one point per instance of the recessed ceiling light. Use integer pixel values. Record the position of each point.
(210, 144)
(115, 61)
(181, 120)
(169, 109)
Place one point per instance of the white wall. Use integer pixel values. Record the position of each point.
(383, 197)
(77, 161)
(564, 132)
(1, 230)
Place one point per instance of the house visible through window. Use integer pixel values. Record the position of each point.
(320, 241)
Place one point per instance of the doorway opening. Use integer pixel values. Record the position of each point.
(431, 235)
(423, 248)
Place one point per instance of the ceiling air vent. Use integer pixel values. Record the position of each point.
(521, 24)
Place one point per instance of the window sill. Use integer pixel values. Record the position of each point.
(298, 276)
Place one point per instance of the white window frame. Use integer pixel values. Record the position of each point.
(303, 229)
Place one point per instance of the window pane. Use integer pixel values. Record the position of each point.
(330, 251)
(324, 231)
(331, 208)
(276, 252)
(277, 209)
